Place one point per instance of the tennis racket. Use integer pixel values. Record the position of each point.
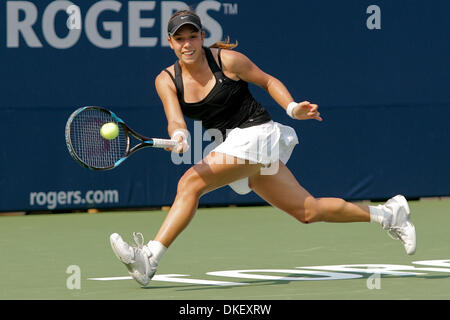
(92, 151)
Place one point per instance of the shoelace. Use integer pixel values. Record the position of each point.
(139, 239)
(395, 233)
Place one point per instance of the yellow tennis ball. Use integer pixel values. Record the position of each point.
(109, 131)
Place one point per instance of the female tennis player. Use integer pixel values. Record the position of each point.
(211, 85)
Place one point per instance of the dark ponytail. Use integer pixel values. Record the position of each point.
(226, 44)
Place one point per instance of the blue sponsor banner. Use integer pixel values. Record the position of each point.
(379, 71)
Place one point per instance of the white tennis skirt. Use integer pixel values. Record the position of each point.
(265, 143)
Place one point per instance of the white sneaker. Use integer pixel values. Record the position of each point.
(399, 227)
(138, 260)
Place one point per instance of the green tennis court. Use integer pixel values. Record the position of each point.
(243, 253)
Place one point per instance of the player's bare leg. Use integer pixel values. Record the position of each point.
(283, 191)
(215, 171)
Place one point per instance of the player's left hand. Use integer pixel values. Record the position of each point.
(306, 110)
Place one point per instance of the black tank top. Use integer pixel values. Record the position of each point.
(229, 104)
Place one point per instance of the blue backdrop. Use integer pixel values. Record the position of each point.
(381, 77)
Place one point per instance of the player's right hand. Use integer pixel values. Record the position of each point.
(181, 136)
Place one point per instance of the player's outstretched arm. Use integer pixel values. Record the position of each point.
(243, 68)
(176, 125)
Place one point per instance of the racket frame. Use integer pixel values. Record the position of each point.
(145, 141)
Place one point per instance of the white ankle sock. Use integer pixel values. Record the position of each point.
(377, 214)
(157, 249)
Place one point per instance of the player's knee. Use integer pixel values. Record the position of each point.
(308, 212)
(190, 183)
(305, 216)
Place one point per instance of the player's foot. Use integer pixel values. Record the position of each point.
(137, 259)
(399, 226)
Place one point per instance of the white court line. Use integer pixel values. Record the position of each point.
(175, 278)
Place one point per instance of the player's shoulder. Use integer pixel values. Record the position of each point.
(170, 69)
(228, 54)
(164, 79)
(233, 60)
(166, 74)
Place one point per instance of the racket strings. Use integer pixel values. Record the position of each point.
(88, 144)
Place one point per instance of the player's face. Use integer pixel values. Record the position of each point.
(187, 43)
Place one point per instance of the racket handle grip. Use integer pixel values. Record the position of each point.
(164, 143)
